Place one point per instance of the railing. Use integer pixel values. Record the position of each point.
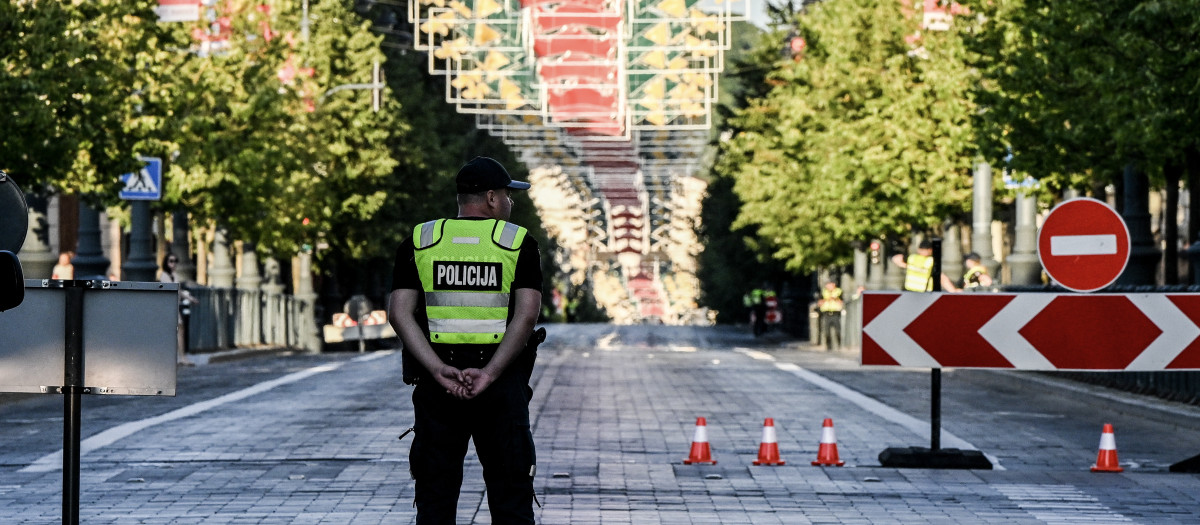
(225, 318)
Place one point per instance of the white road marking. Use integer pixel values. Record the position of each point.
(53, 462)
(1054, 504)
(912, 424)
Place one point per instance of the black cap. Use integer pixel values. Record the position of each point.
(483, 174)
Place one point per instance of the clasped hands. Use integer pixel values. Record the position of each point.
(464, 384)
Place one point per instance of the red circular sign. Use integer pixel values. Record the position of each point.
(1083, 245)
(798, 44)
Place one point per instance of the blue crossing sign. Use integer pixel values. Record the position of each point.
(143, 185)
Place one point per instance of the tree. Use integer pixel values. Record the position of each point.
(67, 73)
(864, 134)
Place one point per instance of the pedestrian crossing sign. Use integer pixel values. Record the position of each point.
(143, 185)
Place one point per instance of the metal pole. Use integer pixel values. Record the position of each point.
(72, 401)
(935, 375)
(140, 265)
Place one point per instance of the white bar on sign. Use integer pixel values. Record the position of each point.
(1083, 244)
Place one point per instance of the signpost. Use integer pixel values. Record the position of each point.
(89, 337)
(141, 187)
(1083, 245)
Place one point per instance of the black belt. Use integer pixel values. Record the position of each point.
(463, 358)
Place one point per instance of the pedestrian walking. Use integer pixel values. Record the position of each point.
(167, 275)
(466, 294)
(918, 276)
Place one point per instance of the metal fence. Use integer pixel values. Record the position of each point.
(224, 318)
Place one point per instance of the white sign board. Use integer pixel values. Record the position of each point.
(178, 10)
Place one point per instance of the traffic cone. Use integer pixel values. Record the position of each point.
(827, 455)
(700, 452)
(1106, 460)
(768, 451)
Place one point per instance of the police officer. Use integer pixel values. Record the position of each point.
(831, 306)
(918, 275)
(466, 294)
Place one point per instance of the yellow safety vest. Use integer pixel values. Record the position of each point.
(831, 300)
(466, 269)
(918, 277)
(971, 279)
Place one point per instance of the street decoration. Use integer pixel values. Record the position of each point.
(616, 95)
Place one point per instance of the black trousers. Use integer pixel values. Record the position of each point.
(831, 327)
(498, 421)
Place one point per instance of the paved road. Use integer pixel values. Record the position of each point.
(312, 439)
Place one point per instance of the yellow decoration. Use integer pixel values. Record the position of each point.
(460, 8)
(511, 93)
(655, 59)
(486, 8)
(484, 34)
(705, 23)
(656, 88)
(673, 8)
(651, 104)
(659, 34)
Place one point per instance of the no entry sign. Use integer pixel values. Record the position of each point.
(1083, 245)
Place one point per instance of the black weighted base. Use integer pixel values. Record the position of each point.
(1191, 465)
(944, 458)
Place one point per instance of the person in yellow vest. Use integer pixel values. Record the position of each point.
(831, 306)
(465, 296)
(976, 275)
(758, 305)
(918, 275)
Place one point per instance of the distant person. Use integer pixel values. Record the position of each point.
(831, 306)
(758, 313)
(918, 276)
(976, 275)
(64, 269)
(168, 275)
(466, 294)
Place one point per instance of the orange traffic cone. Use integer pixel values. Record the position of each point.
(700, 452)
(1106, 460)
(827, 455)
(768, 451)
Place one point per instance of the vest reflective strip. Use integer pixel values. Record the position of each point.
(468, 326)
(508, 235)
(485, 299)
(427, 234)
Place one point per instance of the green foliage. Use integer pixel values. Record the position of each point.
(862, 135)
(66, 68)
(1076, 89)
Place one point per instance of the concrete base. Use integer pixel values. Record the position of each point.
(945, 458)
